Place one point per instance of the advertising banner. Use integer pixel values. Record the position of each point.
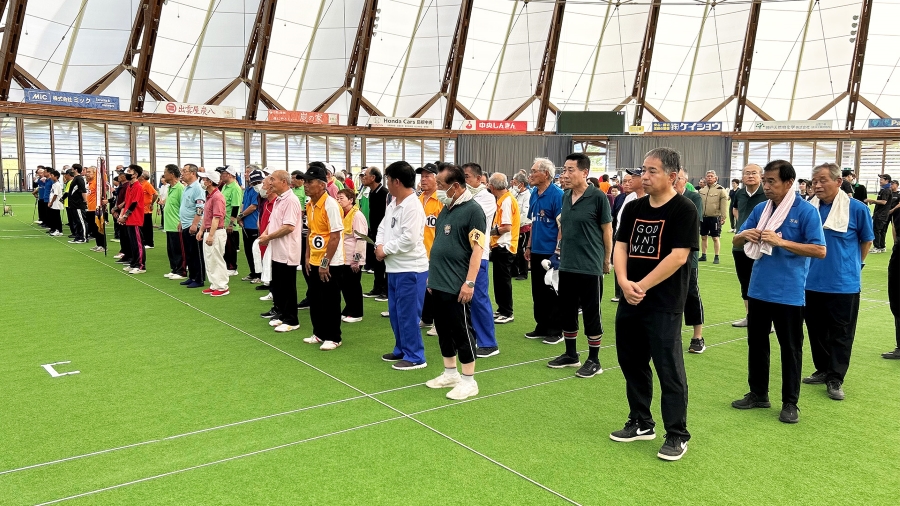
(385, 121)
(63, 98)
(203, 110)
(312, 118)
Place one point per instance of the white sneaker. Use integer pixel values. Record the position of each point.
(267, 296)
(233, 273)
(167, 275)
(284, 327)
(329, 345)
(463, 390)
(312, 340)
(443, 381)
(740, 323)
(38, 222)
(176, 276)
(148, 247)
(136, 271)
(351, 319)
(432, 331)
(127, 268)
(118, 256)
(423, 325)
(274, 322)
(503, 319)
(385, 314)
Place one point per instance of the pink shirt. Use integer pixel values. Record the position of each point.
(214, 208)
(286, 211)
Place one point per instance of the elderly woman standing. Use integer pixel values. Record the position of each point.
(355, 227)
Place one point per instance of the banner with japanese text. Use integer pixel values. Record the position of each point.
(202, 110)
(312, 118)
(496, 126)
(63, 98)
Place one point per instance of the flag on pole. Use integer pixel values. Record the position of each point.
(102, 196)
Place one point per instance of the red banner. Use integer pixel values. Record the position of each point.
(314, 118)
(507, 126)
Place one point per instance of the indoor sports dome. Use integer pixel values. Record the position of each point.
(429, 252)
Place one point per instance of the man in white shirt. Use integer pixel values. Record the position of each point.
(400, 245)
(523, 197)
(482, 310)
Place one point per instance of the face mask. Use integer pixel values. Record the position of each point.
(128, 176)
(443, 198)
(515, 191)
(261, 190)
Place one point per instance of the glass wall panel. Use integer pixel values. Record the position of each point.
(737, 159)
(337, 151)
(759, 153)
(120, 144)
(393, 151)
(802, 159)
(256, 156)
(214, 150)
(276, 158)
(356, 154)
(413, 148)
(234, 149)
(450, 151)
(892, 158)
(37, 143)
(297, 152)
(65, 143)
(93, 142)
(779, 151)
(375, 152)
(167, 148)
(432, 150)
(848, 154)
(871, 161)
(189, 148)
(12, 178)
(318, 149)
(612, 162)
(826, 152)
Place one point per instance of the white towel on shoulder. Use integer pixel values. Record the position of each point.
(772, 217)
(839, 217)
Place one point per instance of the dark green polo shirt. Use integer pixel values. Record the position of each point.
(744, 204)
(697, 200)
(581, 245)
(455, 230)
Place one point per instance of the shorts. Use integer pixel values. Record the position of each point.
(710, 226)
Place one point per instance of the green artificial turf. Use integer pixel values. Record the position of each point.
(188, 399)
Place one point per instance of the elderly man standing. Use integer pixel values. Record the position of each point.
(400, 244)
(781, 235)
(282, 237)
(171, 213)
(482, 311)
(744, 201)
(523, 198)
(433, 207)
(833, 283)
(213, 235)
(234, 196)
(377, 201)
(715, 208)
(881, 213)
(248, 220)
(504, 246)
(545, 206)
(693, 306)
(191, 215)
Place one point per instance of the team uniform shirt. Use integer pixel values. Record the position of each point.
(650, 234)
(233, 196)
(802, 225)
(56, 189)
(92, 195)
(523, 198)
(354, 247)
(323, 218)
(581, 248)
(745, 202)
(266, 206)
(135, 194)
(77, 189)
(192, 201)
(172, 209)
(66, 187)
(432, 207)
(458, 229)
(695, 199)
(507, 214)
(214, 208)
(401, 233)
(545, 207)
(489, 206)
(286, 210)
(251, 198)
(44, 186)
(148, 191)
(839, 271)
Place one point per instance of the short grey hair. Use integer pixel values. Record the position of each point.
(833, 170)
(498, 181)
(253, 167)
(282, 175)
(546, 165)
(521, 178)
(712, 172)
(670, 159)
(190, 167)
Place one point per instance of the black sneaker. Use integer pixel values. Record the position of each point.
(835, 391)
(262, 287)
(390, 357)
(697, 346)
(304, 304)
(372, 294)
(716, 259)
(892, 355)
(751, 400)
(817, 378)
(534, 334)
(590, 369)
(702, 258)
(673, 449)
(552, 340)
(564, 361)
(270, 314)
(406, 365)
(486, 351)
(381, 297)
(790, 413)
(633, 432)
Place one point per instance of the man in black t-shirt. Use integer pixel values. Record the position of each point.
(77, 204)
(881, 213)
(653, 242)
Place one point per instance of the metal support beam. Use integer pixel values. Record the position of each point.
(718, 108)
(743, 77)
(330, 100)
(152, 12)
(872, 107)
(10, 47)
(360, 56)
(427, 105)
(266, 18)
(452, 73)
(515, 114)
(656, 114)
(548, 64)
(831, 104)
(104, 82)
(856, 68)
(642, 75)
(27, 80)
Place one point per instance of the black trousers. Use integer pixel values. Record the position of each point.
(453, 321)
(894, 289)
(136, 244)
(78, 222)
(250, 235)
(788, 321)
(585, 291)
(69, 220)
(304, 244)
(693, 306)
(880, 227)
(380, 284)
(147, 230)
(232, 242)
(93, 231)
(42, 212)
(657, 336)
(54, 219)
(351, 289)
(175, 251)
(743, 265)
(504, 263)
(521, 265)
(546, 302)
(831, 325)
(428, 309)
(325, 304)
(124, 242)
(193, 254)
(284, 292)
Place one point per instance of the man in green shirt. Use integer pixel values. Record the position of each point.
(693, 307)
(234, 197)
(585, 245)
(172, 223)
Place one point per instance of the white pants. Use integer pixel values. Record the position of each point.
(216, 270)
(263, 263)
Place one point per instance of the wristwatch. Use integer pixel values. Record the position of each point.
(470, 284)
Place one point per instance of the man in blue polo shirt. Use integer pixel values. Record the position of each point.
(782, 244)
(833, 284)
(248, 219)
(191, 215)
(545, 206)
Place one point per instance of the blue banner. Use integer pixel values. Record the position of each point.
(688, 126)
(884, 123)
(63, 98)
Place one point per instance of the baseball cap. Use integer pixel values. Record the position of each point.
(429, 167)
(885, 176)
(317, 164)
(315, 172)
(255, 176)
(846, 172)
(213, 176)
(228, 168)
(635, 172)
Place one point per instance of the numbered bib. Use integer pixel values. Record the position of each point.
(430, 221)
(317, 241)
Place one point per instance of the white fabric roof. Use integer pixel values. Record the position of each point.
(69, 44)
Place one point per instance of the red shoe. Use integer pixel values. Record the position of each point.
(220, 293)
(208, 291)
